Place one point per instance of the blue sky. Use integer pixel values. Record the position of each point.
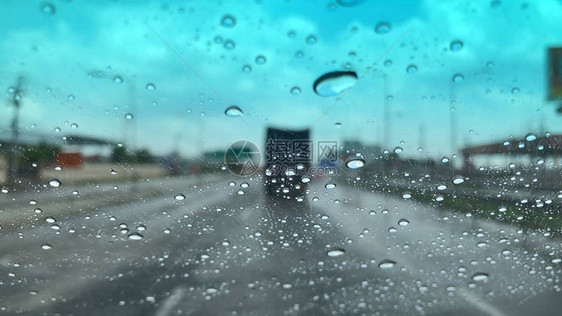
(504, 48)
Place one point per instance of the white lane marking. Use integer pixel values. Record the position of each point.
(352, 227)
(60, 286)
(480, 303)
(171, 301)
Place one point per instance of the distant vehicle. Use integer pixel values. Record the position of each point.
(287, 162)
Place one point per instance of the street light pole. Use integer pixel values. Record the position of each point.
(16, 96)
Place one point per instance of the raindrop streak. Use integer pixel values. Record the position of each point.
(479, 277)
(135, 236)
(179, 197)
(334, 83)
(47, 8)
(355, 162)
(455, 46)
(387, 264)
(228, 21)
(383, 28)
(336, 252)
(233, 111)
(55, 183)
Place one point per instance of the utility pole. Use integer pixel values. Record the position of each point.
(15, 100)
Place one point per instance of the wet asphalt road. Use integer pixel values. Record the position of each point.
(222, 252)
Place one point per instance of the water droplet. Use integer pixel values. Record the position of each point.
(355, 162)
(330, 185)
(480, 276)
(179, 197)
(456, 45)
(228, 21)
(403, 222)
(515, 91)
(305, 179)
(73, 125)
(530, 137)
(383, 28)
(458, 77)
(118, 79)
(47, 8)
(349, 3)
(287, 286)
(337, 125)
(295, 90)
(135, 236)
(372, 212)
(445, 160)
(129, 116)
(311, 40)
(260, 60)
(411, 69)
(495, 4)
(244, 185)
(407, 195)
(458, 179)
(50, 219)
(247, 68)
(398, 150)
(336, 252)
(141, 228)
(229, 45)
(150, 86)
(167, 231)
(392, 230)
(387, 264)
(46, 247)
(55, 183)
(334, 83)
(441, 187)
(233, 111)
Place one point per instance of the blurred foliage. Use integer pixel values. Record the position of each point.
(42, 153)
(123, 155)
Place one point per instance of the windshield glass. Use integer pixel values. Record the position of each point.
(274, 157)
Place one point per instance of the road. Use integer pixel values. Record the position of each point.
(136, 250)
